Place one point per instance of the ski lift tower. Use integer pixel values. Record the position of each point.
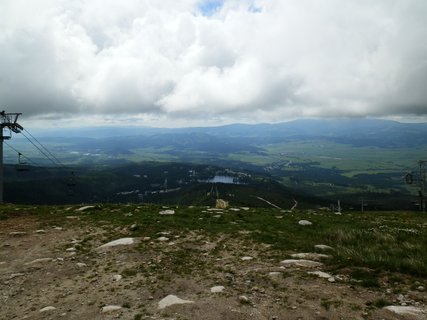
(9, 122)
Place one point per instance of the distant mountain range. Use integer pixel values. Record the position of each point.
(235, 137)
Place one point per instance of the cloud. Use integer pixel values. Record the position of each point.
(252, 60)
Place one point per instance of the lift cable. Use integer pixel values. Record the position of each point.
(41, 151)
(18, 152)
(47, 150)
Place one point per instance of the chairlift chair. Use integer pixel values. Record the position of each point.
(21, 165)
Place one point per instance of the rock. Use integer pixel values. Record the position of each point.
(217, 289)
(118, 242)
(323, 247)
(244, 300)
(167, 212)
(309, 256)
(301, 263)
(47, 309)
(171, 300)
(17, 233)
(81, 264)
(304, 223)
(221, 204)
(40, 231)
(274, 273)
(15, 275)
(41, 260)
(110, 308)
(323, 275)
(244, 208)
(72, 249)
(406, 310)
(117, 277)
(421, 288)
(133, 227)
(247, 258)
(162, 239)
(84, 208)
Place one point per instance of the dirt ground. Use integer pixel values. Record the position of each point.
(61, 267)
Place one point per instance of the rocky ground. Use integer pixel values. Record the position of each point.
(63, 271)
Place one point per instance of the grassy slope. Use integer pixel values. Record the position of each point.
(366, 244)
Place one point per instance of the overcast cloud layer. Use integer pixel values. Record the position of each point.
(261, 60)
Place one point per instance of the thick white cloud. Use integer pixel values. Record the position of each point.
(266, 60)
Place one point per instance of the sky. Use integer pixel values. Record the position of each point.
(207, 62)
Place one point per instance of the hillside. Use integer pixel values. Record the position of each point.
(237, 263)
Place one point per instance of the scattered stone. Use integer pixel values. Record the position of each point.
(221, 204)
(320, 274)
(110, 308)
(117, 277)
(17, 233)
(247, 258)
(323, 247)
(40, 231)
(81, 264)
(146, 238)
(57, 228)
(162, 239)
(274, 273)
(405, 310)
(323, 275)
(73, 217)
(15, 275)
(133, 227)
(217, 289)
(421, 288)
(309, 256)
(244, 208)
(171, 300)
(304, 223)
(301, 263)
(167, 212)
(85, 208)
(244, 300)
(41, 260)
(118, 242)
(217, 216)
(72, 249)
(234, 209)
(47, 309)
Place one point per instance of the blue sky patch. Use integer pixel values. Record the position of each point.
(209, 7)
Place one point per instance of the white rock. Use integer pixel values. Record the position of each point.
(304, 223)
(15, 275)
(244, 208)
(247, 258)
(40, 231)
(301, 263)
(320, 274)
(47, 309)
(110, 308)
(309, 256)
(81, 264)
(408, 310)
(217, 289)
(85, 208)
(41, 260)
(72, 249)
(167, 212)
(323, 247)
(17, 233)
(171, 300)
(274, 273)
(118, 242)
(234, 209)
(163, 239)
(117, 277)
